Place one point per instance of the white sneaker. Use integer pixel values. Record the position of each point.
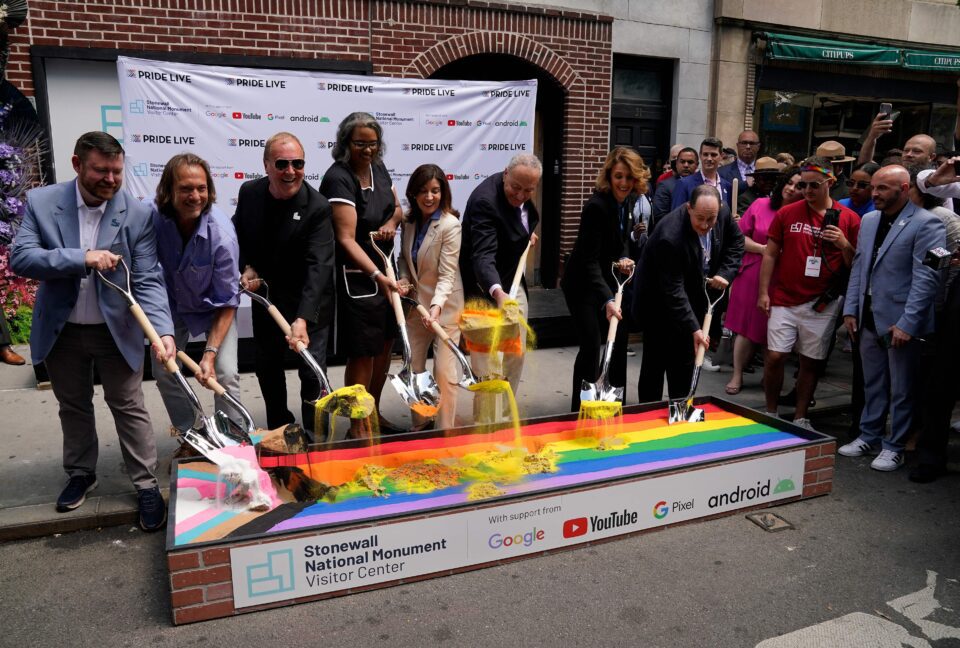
(856, 448)
(804, 423)
(887, 460)
(708, 365)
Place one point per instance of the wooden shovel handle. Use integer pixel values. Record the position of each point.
(194, 368)
(284, 325)
(518, 275)
(702, 349)
(434, 325)
(612, 331)
(734, 196)
(170, 365)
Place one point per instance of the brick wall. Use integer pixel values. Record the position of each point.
(399, 38)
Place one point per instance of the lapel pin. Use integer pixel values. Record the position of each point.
(296, 215)
(115, 222)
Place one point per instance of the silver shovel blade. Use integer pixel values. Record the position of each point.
(681, 410)
(589, 391)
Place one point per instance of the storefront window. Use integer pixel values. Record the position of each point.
(783, 121)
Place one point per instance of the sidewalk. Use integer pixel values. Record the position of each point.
(33, 476)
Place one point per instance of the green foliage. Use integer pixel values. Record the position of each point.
(20, 325)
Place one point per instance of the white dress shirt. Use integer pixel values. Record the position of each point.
(87, 309)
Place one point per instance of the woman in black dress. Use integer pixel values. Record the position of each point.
(588, 285)
(363, 199)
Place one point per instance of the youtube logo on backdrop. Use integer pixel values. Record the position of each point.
(575, 527)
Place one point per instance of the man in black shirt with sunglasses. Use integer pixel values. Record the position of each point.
(286, 239)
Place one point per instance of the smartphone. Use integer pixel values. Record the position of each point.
(886, 110)
(956, 168)
(832, 217)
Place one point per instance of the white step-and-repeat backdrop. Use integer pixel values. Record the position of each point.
(469, 128)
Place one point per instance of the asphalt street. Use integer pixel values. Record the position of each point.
(856, 571)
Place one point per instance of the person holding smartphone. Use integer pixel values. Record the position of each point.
(919, 150)
(810, 244)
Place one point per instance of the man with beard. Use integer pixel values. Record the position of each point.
(889, 304)
(71, 231)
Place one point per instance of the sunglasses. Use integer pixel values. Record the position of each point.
(816, 184)
(281, 165)
(360, 144)
(859, 184)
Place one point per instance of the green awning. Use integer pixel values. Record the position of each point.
(786, 47)
(935, 61)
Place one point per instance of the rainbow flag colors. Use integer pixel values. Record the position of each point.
(578, 452)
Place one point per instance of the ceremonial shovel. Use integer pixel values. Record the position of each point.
(600, 390)
(419, 390)
(682, 409)
(285, 327)
(206, 434)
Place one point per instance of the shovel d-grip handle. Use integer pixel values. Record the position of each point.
(194, 368)
(394, 296)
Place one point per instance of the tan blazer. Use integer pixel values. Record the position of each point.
(436, 276)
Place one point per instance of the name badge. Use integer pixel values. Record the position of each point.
(813, 266)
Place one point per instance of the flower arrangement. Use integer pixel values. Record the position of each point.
(19, 144)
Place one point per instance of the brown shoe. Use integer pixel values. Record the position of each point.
(11, 357)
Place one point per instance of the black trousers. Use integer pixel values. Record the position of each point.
(270, 348)
(591, 326)
(941, 383)
(665, 351)
(5, 338)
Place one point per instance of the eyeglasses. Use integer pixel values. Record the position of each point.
(749, 143)
(859, 184)
(816, 184)
(360, 144)
(281, 165)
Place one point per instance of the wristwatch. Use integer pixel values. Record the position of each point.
(211, 349)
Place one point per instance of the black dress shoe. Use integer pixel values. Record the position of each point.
(925, 473)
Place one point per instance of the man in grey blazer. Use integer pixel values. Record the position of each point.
(889, 304)
(70, 231)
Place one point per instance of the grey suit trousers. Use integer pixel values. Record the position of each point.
(70, 365)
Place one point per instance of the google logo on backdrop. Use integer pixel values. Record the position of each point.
(660, 510)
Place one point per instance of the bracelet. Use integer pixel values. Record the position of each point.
(211, 349)
(376, 273)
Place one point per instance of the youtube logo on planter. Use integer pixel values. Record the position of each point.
(575, 527)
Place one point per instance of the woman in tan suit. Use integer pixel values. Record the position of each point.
(429, 268)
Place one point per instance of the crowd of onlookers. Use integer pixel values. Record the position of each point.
(863, 250)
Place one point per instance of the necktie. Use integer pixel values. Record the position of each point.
(520, 219)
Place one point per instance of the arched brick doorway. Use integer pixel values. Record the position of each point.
(569, 52)
(551, 99)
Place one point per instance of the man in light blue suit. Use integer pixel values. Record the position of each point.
(69, 232)
(889, 303)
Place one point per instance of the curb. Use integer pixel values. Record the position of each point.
(38, 520)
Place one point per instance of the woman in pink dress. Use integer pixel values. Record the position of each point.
(743, 316)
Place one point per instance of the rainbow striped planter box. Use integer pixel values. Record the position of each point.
(645, 475)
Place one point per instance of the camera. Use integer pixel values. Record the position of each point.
(938, 258)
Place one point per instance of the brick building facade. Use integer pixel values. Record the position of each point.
(397, 38)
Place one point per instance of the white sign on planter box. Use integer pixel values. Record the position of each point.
(278, 571)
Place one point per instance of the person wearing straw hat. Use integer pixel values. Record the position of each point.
(765, 174)
(836, 153)
(71, 231)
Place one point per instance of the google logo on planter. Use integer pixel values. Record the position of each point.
(660, 510)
